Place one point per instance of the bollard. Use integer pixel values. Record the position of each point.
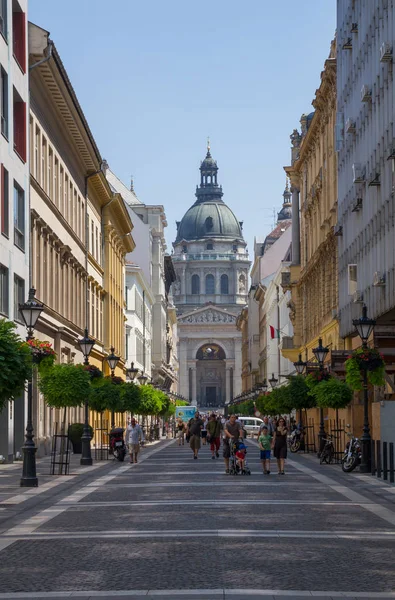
(378, 458)
(385, 461)
(392, 473)
(373, 455)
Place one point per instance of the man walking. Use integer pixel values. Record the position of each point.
(214, 432)
(133, 438)
(195, 426)
(232, 432)
(266, 423)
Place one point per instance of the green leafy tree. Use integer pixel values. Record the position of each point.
(245, 409)
(106, 396)
(299, 393)
(131, 397)
(150, 401)
(15, 363)
(332, 394)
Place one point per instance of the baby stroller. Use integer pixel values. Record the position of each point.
(234, 468)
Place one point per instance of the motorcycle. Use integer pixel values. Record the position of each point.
(352, 453)
(117, 444)
(328, 451)
(296, 439)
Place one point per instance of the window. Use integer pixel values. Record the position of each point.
(97, 244)
(224, 284)
(36, 153)
(4, 101)
(92, 237)
(50, 173)
(210, 247)
(185, 249)
(19, 297)
(234, 247)
(195, 284)
(19, 216)
(210, 284)
(3, 18)
(3, 290)
(19, 126)
(56, 182)
(352, 279)
(5, 202)
(43, 162)
(19, 35)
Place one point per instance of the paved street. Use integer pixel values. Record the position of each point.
(174, 527)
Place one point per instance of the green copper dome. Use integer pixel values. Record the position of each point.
(209, 216)
(209, 219)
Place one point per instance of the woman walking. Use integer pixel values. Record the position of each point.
(280, 444)
(180, 431)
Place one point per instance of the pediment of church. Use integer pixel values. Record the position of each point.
(208, 315)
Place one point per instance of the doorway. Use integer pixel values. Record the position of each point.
(211, 395)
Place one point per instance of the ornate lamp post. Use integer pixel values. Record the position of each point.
(364, 327)
(86, 344)
(132, 372)
(112, 360)
(142, 379)
(321, 353)
(300, 368)
(30, 311)
(273, 381)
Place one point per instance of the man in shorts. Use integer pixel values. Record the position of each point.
(195, 426)
(133, 438)
(232, 432)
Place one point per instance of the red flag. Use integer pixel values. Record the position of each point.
(272, 333)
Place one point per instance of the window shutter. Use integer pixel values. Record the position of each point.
(2, 204)
(20, 129)
(19, 38)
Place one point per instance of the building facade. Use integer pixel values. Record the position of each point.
(80, 229)
(139, 304)
(366, 184)
(211, 264)
(313, 274)
(14, 195)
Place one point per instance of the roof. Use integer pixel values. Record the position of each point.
(211, 219)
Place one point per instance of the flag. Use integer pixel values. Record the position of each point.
(274, 333)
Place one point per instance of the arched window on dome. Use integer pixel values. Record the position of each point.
(224, 284)
(210, 284)
(195, 284)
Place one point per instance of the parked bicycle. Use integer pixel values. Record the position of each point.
(352, 453)
(328, 451)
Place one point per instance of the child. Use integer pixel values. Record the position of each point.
(265, 441)
(241, 456)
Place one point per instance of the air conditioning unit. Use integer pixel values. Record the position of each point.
(357, 296)
(338, 229)
(385, 52)
(358, 173)
(347, 44)
(366, 93)
(378, 279)
(350, 126)
(357, 205)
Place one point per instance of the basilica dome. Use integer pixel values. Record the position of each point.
(209, 217)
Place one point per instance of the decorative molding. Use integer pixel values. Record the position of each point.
(209, 316)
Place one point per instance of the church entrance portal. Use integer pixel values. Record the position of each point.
(211, 373)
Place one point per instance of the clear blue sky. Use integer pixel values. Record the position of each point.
(156, 77)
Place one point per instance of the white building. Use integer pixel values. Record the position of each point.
(211, 264)
(14, 190)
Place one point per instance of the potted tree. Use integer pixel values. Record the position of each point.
(75, 432)
(15, 363)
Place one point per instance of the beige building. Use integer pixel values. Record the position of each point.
(80, 230)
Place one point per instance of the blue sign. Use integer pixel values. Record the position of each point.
(185, 412)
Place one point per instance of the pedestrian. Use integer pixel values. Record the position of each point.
(265, 442)
(204, 430)
(214, 433)
(266, 423)
(180, 431)
(195, 426)
(232, 432)
(280, 444)
(241, 457)
(133, 437)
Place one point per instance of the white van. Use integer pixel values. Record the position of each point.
(251, 425)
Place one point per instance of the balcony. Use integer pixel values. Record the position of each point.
(205, 256)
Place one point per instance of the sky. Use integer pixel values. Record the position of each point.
(155, 78)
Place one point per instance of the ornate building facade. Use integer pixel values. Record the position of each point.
(313, 274)
(211, 264)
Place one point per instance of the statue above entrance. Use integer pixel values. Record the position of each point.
(210, 352)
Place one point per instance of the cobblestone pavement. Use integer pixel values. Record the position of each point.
(175, 527)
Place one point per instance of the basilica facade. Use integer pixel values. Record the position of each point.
(211, 263)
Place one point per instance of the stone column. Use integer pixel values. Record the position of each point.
(227, 385)
(194, 395)
(184, 375)
(295, 226)
(237, 369)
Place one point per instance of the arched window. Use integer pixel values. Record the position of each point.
(195, 284)
(224, 284)
(210, 284)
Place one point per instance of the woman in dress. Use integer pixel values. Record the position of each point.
(280, 444)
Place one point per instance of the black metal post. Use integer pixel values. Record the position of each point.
(86, 456)
(321, 433)
(365, 439)
(29, 476)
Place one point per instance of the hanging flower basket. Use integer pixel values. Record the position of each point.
(316, 377)
(365, 359)
(43, 354)
(94, 372)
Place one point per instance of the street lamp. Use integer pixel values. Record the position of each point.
(364, 327)
(112, 360)
(300, 365)
(30, 311)
(132, 372)
(273, 381)
(86, 344)
(321, 353)
(142, 379)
